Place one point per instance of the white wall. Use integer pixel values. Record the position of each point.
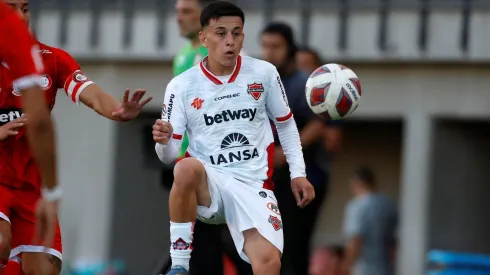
(444, 31)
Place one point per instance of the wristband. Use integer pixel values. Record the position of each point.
(53, 194)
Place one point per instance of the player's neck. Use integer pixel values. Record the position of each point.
(217, 69)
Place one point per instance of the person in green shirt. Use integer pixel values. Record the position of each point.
(188, 14)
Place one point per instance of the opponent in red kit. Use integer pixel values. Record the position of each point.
(20, 180)
(20, 51)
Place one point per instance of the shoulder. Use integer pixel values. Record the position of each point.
(49, 50)
(258, 65)
(181, 82)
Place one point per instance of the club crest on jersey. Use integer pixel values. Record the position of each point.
(255, 90)
(46, 82)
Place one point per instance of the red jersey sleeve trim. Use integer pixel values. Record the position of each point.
(177, 137)
(284, 118)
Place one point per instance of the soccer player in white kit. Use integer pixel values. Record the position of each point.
(225, 104)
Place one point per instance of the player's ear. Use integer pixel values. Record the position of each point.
(202, 39)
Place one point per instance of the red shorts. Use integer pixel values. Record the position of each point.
(18, 207)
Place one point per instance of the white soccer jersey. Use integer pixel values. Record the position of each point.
(227, 120)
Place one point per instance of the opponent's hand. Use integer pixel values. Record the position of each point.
(162, 131)
(130, 109)
(10, 129)
(47, 215)
(303, 191)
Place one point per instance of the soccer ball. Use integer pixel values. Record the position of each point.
(333, 91)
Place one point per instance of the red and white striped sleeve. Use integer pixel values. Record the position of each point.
(71, 77)
(277, 107)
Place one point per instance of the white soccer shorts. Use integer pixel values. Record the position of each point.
(242, 206)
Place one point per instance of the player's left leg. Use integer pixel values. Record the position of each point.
(35, 259)
(263, 255)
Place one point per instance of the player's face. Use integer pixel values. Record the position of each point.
(306, 62)
(22, 7)
(224, 39)
(274, 49)
(188, 13)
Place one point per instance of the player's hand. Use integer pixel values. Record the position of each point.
(303, 191)
(10, 129)
(130, 109)
(47, 215)
(162, 131)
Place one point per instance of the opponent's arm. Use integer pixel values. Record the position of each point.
(169, 130)
(79, 88)
(278, 110)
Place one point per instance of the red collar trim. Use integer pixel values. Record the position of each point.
(214, 79)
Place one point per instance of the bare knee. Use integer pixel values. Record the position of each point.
(264, 256)
(268, 264)
(188, 174)
(40, 264)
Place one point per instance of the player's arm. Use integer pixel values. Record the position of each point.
(19, 52)
(79, 88)
(278, 110)
(169, 130)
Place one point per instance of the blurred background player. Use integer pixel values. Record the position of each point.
(25, 66)
(308, 60)
(209, 246)
(370, 225)
(19, 176)
(318, 140)
(326, 260)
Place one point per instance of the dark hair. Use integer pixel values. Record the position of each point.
(217, 9)
(204, 3)
(286, 32)
(365, 175)
(314, 53)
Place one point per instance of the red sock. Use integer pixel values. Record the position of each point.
(13, 268)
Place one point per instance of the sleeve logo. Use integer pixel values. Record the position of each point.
(284, 97)
(79, 77)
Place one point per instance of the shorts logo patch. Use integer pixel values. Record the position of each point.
(276, 222)
(263, 194)
(273, 207)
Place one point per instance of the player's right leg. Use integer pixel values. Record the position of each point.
(5, 239)
(6, 200)
(189, 190)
